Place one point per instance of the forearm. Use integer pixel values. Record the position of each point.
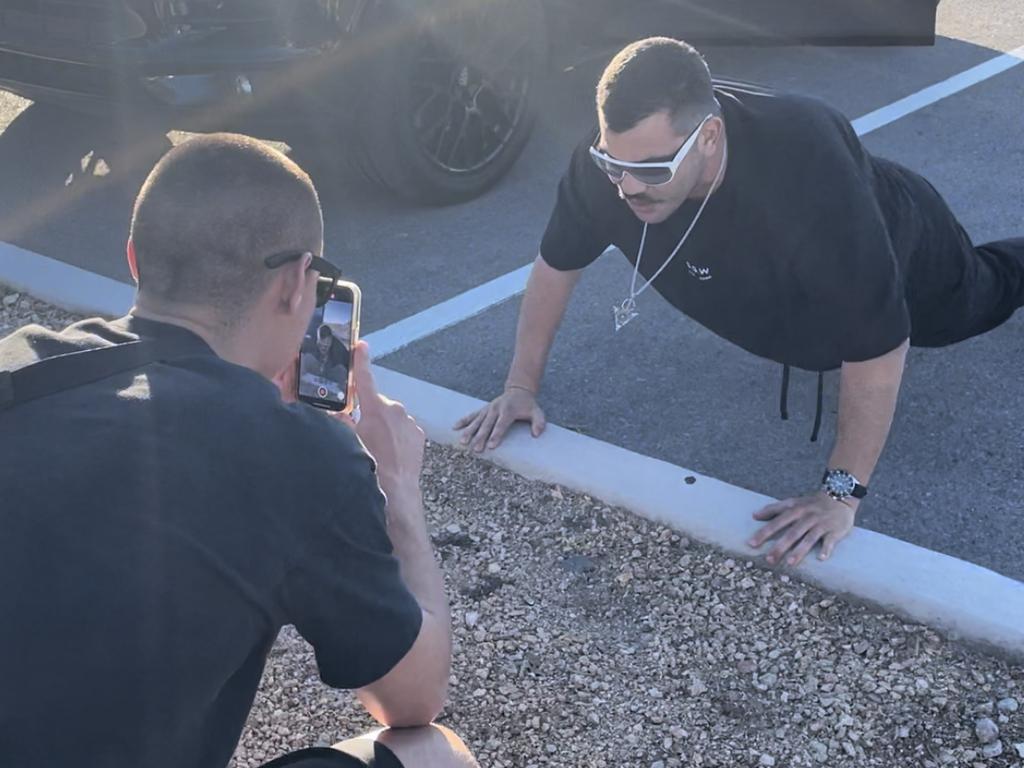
(547, 295)
(868, 393)
(414, 691)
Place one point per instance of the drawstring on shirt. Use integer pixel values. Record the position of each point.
(817, 411)
(784, 400)
(784, 395)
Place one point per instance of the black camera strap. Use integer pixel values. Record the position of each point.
(75, 369)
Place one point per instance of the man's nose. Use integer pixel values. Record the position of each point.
(631, 186)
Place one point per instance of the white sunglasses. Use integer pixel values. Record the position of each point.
(649, 174)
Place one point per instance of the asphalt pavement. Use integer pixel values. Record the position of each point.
(952, 477)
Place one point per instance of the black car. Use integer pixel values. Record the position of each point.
(430, 98)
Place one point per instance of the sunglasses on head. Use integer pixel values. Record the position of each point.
(651, 174)
(329, 273)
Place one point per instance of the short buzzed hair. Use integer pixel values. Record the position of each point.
(208, 214)
(655, 75)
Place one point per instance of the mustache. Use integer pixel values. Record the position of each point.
(640, 199)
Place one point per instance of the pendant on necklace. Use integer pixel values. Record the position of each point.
(624, 313)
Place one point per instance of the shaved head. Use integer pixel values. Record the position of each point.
(208, 214)
(655, 75)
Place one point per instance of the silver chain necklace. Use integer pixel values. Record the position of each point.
(626, 311)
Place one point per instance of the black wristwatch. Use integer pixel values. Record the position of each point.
(840, 485)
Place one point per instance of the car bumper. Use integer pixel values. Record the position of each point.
(163, 82)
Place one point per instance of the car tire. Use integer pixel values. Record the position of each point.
(443, 113)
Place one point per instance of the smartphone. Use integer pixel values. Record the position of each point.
(325, 360)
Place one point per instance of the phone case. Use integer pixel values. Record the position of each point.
(357, 298)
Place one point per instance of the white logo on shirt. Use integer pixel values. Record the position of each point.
(701, 273)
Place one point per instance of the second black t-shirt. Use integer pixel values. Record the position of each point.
(804, 253)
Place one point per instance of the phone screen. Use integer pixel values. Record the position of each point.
(326, 354)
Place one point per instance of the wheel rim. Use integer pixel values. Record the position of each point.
(469, 90)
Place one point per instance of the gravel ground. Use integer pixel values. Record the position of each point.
(18, 309)
(588, 637)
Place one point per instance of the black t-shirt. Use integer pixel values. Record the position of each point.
(158, 528)
(803, 254)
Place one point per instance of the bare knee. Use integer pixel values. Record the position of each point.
(432, 746)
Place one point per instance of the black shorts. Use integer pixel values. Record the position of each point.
(359, 753)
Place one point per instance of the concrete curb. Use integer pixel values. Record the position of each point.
(75, 289)
(961, 598)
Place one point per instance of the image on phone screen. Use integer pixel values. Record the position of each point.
(325, 356)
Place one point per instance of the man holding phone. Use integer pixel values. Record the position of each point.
(762, 217)
(163, 520)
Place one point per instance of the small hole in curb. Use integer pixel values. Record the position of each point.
(690, 480)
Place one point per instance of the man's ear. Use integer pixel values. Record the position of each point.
(708, 139)
(294, 279)
(133, 262)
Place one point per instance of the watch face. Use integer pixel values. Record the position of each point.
(840, 483)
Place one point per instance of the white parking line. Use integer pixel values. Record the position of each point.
(478, 300)
(933, 93)
(447, 313)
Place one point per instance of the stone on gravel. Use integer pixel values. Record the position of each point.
(697, 687)
(577, 564)
(986, 730)
(995, 749)
(1008, 705)
(819, 751)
